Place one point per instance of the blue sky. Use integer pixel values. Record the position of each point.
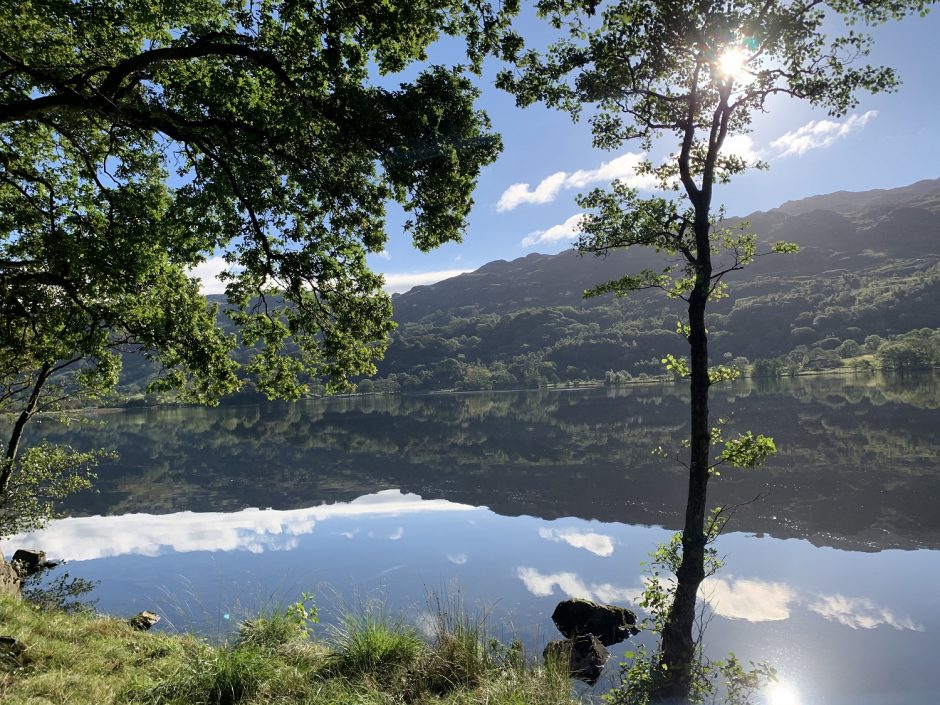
(889, 140)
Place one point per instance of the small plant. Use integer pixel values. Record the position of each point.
(63, 593)
(725, 681)
(277, 627)
(37, 481)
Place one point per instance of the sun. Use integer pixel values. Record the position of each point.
(732, 63)
(782, 694)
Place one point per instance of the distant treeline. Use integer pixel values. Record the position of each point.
(879, 318)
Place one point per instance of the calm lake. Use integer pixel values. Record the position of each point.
(519, 499)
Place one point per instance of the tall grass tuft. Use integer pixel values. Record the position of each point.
(460, 655)
(372, 645)
(217, 676)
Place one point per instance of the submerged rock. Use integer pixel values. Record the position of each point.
(609, 623)
(144, 621)
(585, 655)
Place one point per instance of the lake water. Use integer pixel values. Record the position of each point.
(520, 499)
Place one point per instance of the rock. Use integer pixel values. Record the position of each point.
(28, 562)
(585, 654)
(9, 579)
(144, 621)
(10, 652)
(610, 624)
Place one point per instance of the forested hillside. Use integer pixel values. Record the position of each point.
(868, 270)
(864, 288)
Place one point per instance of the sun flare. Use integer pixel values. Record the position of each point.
(733, 64)
(782, 694)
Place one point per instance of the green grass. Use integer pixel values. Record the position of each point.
(373, 645)
(371, 659)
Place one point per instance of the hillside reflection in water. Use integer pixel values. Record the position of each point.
(526, 497)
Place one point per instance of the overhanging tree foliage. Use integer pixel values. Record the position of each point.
(139, 138)
(696, 71)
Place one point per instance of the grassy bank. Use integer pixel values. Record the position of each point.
(369, 659)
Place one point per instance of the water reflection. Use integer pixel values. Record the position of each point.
(576, 502)
(570, 585)
(252, 530)
(598, 544)
(750, 600)
(858, 467)
(859, 613)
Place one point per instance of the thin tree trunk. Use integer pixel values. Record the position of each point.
(678, 646)
(17, 433)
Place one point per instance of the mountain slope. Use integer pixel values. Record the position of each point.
(869, 264)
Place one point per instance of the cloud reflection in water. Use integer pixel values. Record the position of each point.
(745, 599)
(598, 544)
(253, 530)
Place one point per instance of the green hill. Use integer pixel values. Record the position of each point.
(869, 265)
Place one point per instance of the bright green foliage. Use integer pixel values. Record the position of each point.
(138, 139)
(44, 475)
(723, 373)
(274, 628)
(725, 681)
(745, 451)
(679, 366)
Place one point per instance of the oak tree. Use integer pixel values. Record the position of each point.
(140, 138)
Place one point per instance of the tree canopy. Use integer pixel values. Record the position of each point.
(140, 138)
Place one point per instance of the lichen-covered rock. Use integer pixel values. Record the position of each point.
(585, 655)
(144, 621)
(9, 579)
(609, 623)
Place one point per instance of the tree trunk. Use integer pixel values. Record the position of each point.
(678, 646)
(16, 435)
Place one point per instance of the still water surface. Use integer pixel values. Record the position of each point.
(520, 499)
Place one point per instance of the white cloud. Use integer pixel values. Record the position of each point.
(751, 600)
(397, 534)
(598, 544)
(457, 558)
(562, 231)
(623, 167)
(517, 194)
(819, 133)
(384, 254)
(859, 613)
(400, 283)
(253, 530)
(741, 146)
(207, 273)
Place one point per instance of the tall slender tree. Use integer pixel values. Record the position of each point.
(695, 71)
